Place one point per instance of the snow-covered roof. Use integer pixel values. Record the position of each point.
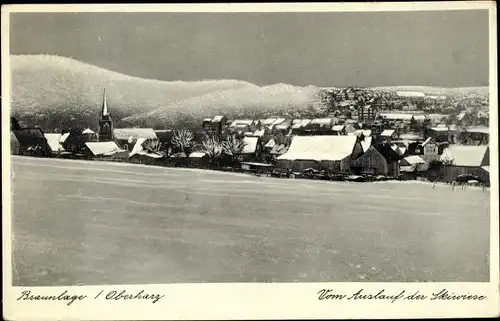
(462, 155)
(414, 160)
(478, 129)
(259, 133)
(269, 121)
(338, 128)
(138, 146)
(250, 145)
(217, 119)
(444, 129)
(197, 155)
(486, 168)
(88, 131)
(461, 115)
(298, 123)
(278, 149)
(366, 143)
(410, 136)
(396, 116)
(270, 143)
(64, 137)
(246, 122)
(54, 141)
(103, 148)
(322, 121)
(278, 121)
(427, 141)
(320, 148)
(126, 133)
(388, 132)
(401, 150)
(410, 94)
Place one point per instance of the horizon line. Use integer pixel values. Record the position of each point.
(241, 80)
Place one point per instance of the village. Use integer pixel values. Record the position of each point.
(362, 135)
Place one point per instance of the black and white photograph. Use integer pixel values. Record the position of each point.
(180, 147)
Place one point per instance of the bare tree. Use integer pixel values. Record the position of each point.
(183, 139)
(212, 148)
(232, 146)
(153, 146)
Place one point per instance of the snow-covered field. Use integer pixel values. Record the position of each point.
(77, 222)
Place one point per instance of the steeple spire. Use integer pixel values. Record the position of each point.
(105, 104)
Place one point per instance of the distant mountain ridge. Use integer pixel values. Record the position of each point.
(56, 92)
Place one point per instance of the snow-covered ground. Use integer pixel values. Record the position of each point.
(79, 222)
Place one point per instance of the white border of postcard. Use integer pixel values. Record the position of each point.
(251, 300)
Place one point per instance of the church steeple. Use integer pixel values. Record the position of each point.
(104, 105)
(105, 122)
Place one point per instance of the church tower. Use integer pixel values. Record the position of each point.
(105, 122)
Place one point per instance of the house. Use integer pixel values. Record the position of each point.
(328, 152)
(256, 167)
(73, 141)
(243, 125)
(54, 141)
(140, 155)
(284, 126)
(258, 133)
(411, 137)
(218, 125)
(410, 95)
(379, 159)
(89, 135)
(322, 122)
(198, 159)
(104, 149)
(298, 126)
(251, 149)
(413, 163)
(32, 142)
(475, 135)
(126, 137)
(460, 159)
(178, 159)
(388, 134)
(270, 145)
(443, 133)
(338, 130)
(430, 150)
(318, 126)
(396, 116)
(411, 166)
(367, 114)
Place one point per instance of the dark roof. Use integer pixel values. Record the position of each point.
(31, 137)
(387, 152)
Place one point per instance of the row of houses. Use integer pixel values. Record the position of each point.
(345, 154)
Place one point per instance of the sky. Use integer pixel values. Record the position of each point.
(433, 48)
